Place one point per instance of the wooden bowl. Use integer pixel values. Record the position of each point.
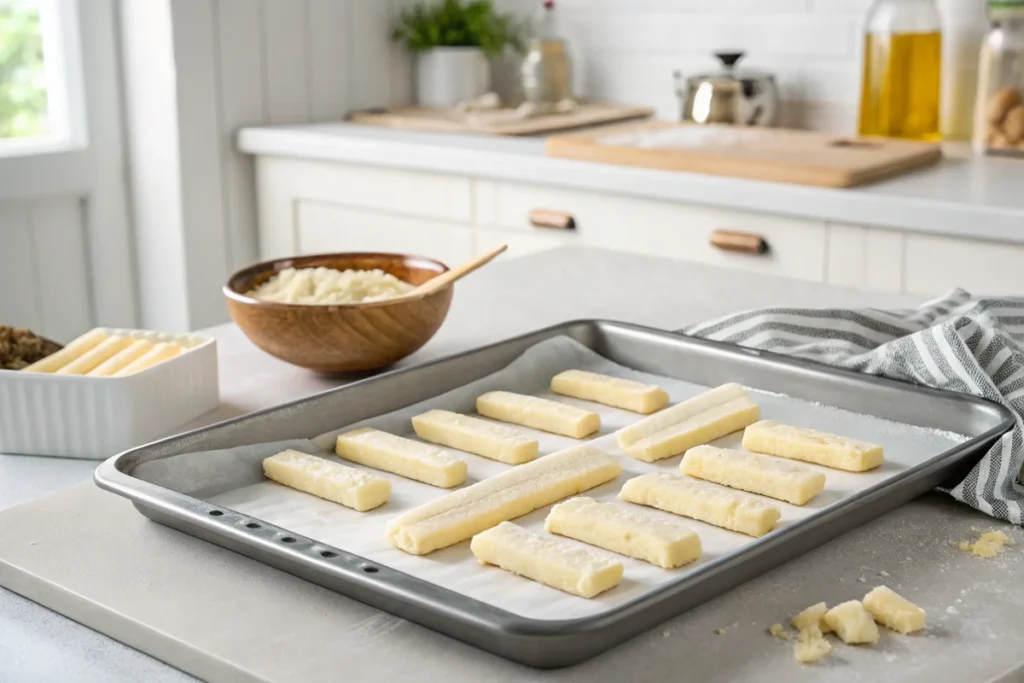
(345, 337)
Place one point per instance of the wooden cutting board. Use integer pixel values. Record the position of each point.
(786, 156)
(498, 121)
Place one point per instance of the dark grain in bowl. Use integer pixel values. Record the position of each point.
(340, 338)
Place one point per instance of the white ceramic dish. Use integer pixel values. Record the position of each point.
(97, 417)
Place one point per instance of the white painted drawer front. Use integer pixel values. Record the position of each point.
(396, 191)
(797, 247)
(935, 264)
(326, 228)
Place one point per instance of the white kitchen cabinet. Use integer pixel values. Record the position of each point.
(322, 227)
(313, 206)
(679, 231)
(933, 264)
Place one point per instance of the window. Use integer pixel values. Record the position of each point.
(41, 102)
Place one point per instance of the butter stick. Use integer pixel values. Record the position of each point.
(158, 354)
(77, 347)
(810, 445)
(89, 360)
(122, 358)
(772, 477)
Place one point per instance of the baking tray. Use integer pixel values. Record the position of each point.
(558, 642)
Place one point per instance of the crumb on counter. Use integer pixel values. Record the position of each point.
(988, 545)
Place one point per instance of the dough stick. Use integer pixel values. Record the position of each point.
(328, 480)
(461, 514)
(611, 391)
(546, 559)
(617, 528)
(810, 445)
(538, 413)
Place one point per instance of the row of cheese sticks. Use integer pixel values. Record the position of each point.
(100, 354)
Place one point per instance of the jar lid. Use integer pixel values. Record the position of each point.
(729, 74)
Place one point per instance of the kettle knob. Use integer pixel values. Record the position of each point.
(729, 59)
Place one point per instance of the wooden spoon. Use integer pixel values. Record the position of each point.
(449, 276)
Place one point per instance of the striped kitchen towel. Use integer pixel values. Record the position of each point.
(955, 342)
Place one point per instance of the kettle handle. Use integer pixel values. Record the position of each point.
(729, 59)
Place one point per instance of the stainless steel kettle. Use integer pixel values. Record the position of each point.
(739, 96)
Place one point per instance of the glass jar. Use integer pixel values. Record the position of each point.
(900, 92)
(999, 115)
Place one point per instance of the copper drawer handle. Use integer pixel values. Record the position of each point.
(553, 220)
(743, 242)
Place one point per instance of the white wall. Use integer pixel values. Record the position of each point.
(628, 49)
(198, 70)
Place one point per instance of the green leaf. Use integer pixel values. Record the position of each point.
(453, 23)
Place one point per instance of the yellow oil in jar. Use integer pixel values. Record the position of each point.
(900, 91)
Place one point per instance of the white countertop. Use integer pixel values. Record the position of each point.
(964, 196)
(223, 617)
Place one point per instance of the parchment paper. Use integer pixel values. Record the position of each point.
(456, 568)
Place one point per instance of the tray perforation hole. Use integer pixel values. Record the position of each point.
(328, 554)
(216, 513)
(287, 539)
(369, 570)
(253, 525)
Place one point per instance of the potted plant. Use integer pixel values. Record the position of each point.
(452, 41)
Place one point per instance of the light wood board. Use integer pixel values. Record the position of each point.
(500, 121)
(787, 156)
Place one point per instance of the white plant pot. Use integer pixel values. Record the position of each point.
(446, 76)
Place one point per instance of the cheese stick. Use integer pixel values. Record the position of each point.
(762, 474)
(473, 435)
(412, 459)
(89, 360)
(809, 445)
(158, 354)
(702, 501)
(548, 560)
(328, 480)
(696, 421)
(621, 530)
(77, 347)
(461, 514)
(611, 391)
(122, 358)
(538, 413)
(891, 609)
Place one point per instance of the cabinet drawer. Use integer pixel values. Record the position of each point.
(936, 264)
(326, 228)
(434, 195)
(796, 248)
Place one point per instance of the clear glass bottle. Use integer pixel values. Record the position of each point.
(999, 115)
(900, 92)
(546, 70)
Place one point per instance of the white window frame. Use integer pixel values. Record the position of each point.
(59, 24)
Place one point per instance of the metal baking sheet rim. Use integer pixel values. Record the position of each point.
(535, 642)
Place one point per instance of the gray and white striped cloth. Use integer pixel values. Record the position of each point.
(956, 342)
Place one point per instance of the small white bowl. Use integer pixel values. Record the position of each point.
(98, 417)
